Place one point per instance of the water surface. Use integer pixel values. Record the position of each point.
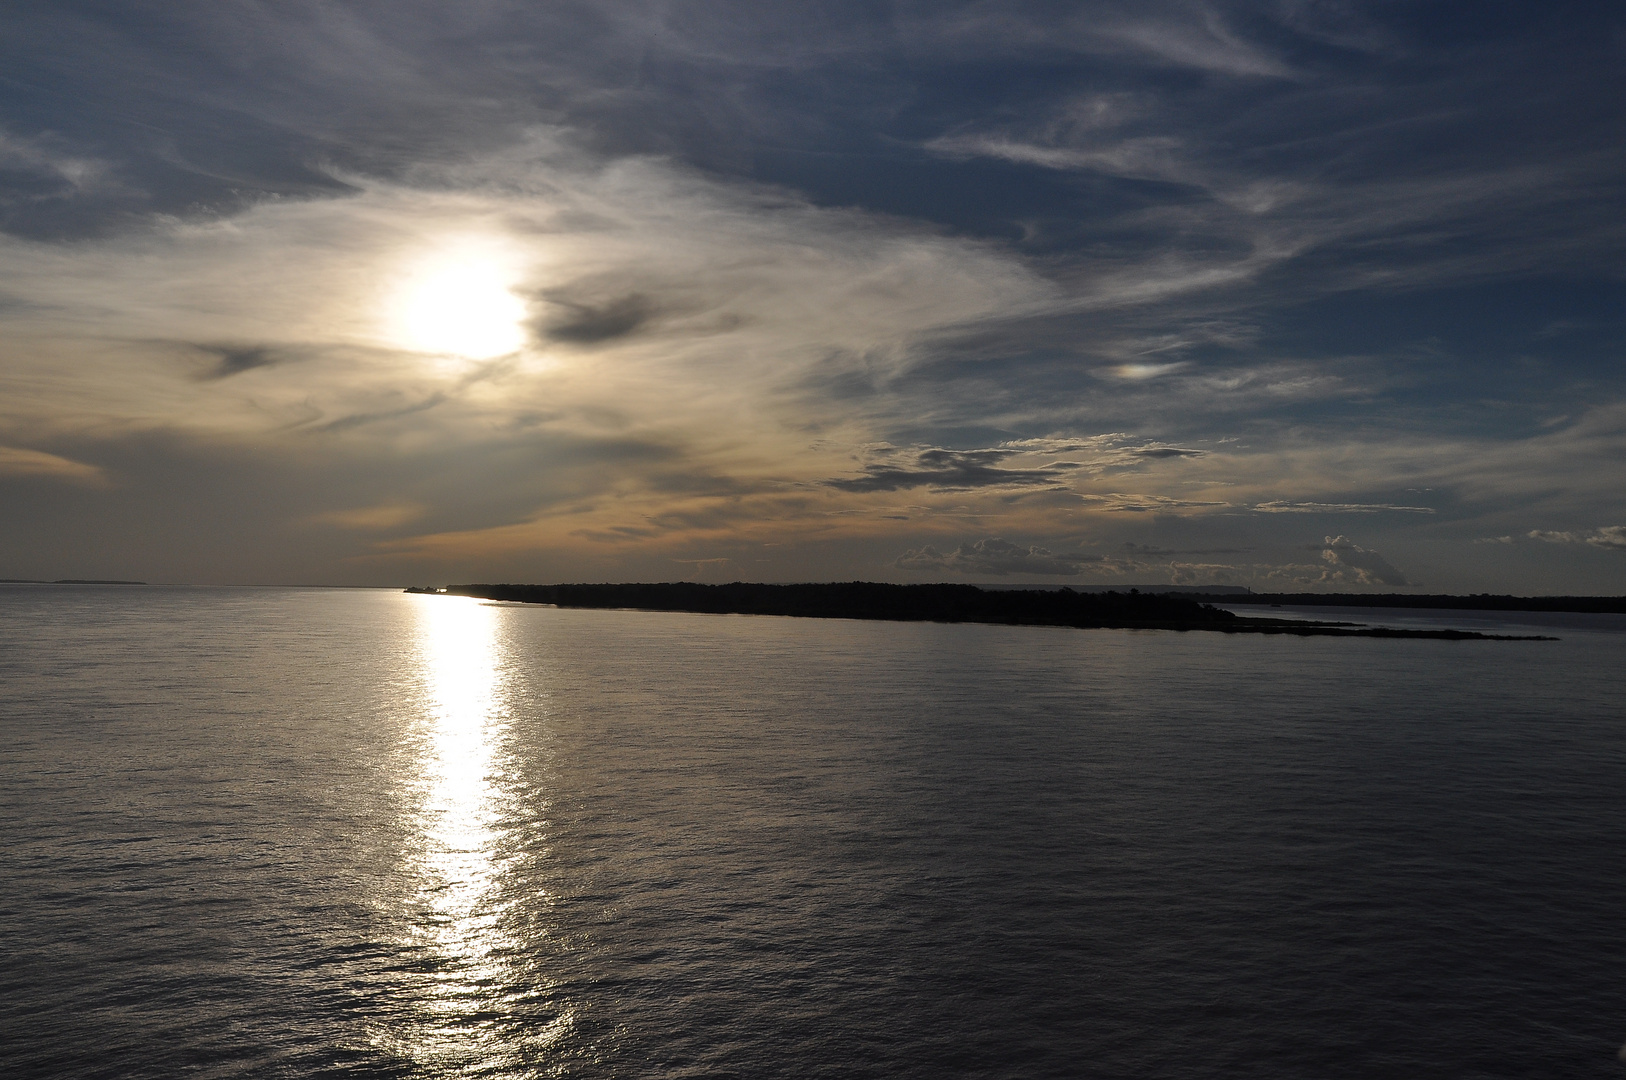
(350, 833)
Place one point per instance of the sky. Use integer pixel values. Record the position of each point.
(1290, 294)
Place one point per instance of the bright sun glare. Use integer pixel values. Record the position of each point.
(460, 303)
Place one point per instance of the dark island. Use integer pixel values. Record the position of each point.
(1132, 610)
(1591, 605)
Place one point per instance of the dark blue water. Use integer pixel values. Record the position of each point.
(317, 833)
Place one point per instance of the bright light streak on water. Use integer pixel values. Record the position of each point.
(457, 866)
(458, 919)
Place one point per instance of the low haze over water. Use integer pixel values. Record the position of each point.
(265, 833)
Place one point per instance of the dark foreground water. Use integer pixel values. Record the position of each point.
(314, 833)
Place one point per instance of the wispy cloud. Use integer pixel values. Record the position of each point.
(952, 470)
(384, 516)
(20, 462)
(997, 557)
(1125, 502)
(1206, 43)
(1277, 507)
(1611, 537)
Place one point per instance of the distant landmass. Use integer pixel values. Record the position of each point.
(1176, 590)
(1475, 602)
(67, 581)
(1132, 610)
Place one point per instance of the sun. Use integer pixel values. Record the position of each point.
(459, 302)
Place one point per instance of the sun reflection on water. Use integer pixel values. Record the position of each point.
(456, 917)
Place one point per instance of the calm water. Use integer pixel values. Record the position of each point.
(306, 833)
